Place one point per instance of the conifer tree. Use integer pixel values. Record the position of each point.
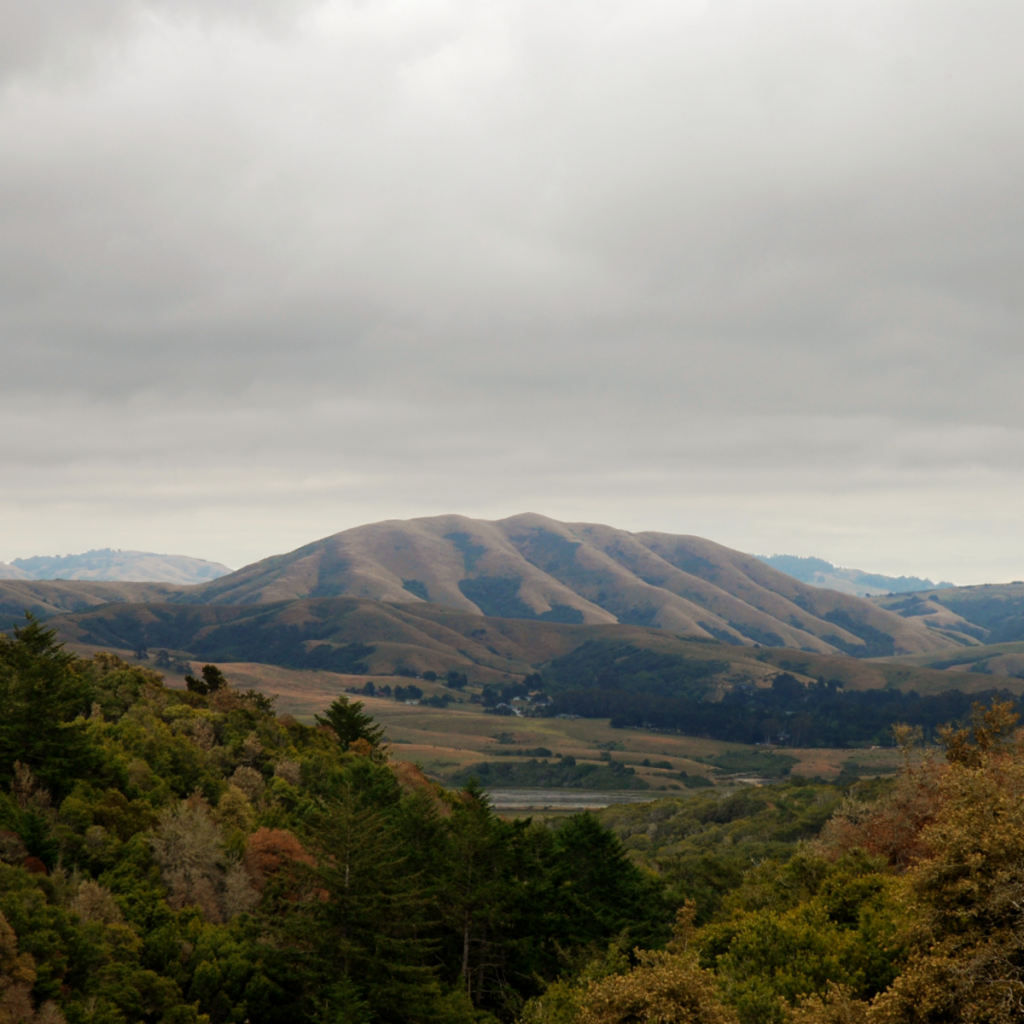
(370, 911)
(350, 724)
(42, 704)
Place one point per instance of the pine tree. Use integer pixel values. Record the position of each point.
(371, 913)
(475, 896)
(350, 724)
(42, 704)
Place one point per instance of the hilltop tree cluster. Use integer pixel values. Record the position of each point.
(190, 857)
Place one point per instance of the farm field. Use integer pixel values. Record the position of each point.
(446, 740)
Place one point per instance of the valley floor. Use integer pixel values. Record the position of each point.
(447, 740)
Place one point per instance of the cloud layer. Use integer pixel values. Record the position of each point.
(743, 269)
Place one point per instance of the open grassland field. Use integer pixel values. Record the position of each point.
(444, 741)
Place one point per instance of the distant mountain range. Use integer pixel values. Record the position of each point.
(449, 592)
(119, 566)
(819, 573)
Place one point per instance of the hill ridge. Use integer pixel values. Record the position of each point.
(534, 567)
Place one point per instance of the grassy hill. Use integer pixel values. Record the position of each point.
(345, 635)
(499, 600)
(333, 634)
(535, 568)
(991, 613)
(56, 597)
(970, 664)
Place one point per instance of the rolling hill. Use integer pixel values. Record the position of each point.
(646, 630)
(360, 636)
(532, 567)
(45, 599)
(120, 566)
(991, 613)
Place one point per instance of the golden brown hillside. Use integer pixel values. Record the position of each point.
(345, 635)
(532, 567)
(55, 597)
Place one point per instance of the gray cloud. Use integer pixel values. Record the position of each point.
(743, 269)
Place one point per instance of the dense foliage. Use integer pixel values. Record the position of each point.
(907, 906)
(609, 666)
(186, 856)
(181, 857)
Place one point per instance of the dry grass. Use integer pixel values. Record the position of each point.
(445, 740)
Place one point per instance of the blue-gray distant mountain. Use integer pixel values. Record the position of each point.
(118, 566)
(819, 573)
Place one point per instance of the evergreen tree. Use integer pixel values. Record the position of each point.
(212, 681)
(370, 910)
(475, 890)
(350, 724)
(43, 701)
(599, 891)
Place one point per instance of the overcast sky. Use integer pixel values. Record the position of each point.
(749, 269)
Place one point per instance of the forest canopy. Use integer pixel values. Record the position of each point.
(185, 857)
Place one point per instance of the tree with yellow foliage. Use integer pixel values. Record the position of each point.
(664, 988)
(967, 894)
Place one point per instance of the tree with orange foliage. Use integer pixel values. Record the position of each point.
(967, 894)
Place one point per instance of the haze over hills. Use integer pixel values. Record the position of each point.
(819, 573)
(120, 566)
(532, 567)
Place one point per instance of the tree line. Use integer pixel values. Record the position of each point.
(788, 713)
